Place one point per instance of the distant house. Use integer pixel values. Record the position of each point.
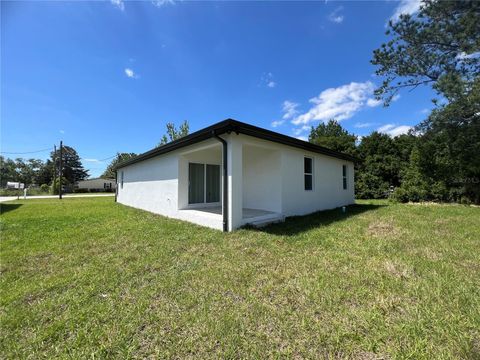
(96, 185)
(231, 174)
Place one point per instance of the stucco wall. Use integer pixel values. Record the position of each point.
(153, 184)
(283, 167)
(327, 193)
(95, 184)
(262, 181)
(261, 175)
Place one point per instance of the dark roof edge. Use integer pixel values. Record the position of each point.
(231, 125)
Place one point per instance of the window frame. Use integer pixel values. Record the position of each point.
(305, 174)
(204, 203)
(345, 176)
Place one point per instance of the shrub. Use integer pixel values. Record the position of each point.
(44, 188)
(400, 195)
(80, 191)
(439, 191)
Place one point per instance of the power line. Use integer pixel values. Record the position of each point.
(27, 152)
(111, 157)
(65, 148)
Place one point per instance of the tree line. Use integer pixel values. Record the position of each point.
(440, 159)
(43, 173)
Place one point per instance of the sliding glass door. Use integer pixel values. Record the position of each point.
(203, 183)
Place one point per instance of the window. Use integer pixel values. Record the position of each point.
(344, 174)
(121, 180)
(203, 183)
(308, 173)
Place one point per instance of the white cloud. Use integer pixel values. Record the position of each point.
(335, 16)
(130, 73)
(267, 80)
(62, 131)
(373, 102)
(303, 138)
(290, 109)
(463, 55)
(394, 130)
(92, 160)
(119, 4)
(363, 125)
(337, 103)
(301, 130)
(406, 7)
(277, 123)
(425, 111)
(160, 3)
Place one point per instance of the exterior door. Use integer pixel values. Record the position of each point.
(196, 183)
(203, 183)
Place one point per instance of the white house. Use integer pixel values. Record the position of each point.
(231, 174)
(97, 184)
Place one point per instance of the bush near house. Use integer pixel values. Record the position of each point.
(87, 277)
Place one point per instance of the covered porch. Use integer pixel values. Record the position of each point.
(254, 187)
(253, 217)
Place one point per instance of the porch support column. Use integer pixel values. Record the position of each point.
(235, 181)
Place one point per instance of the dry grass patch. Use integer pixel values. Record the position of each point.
(383, 229)
(88, 278)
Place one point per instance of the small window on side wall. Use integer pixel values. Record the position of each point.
(344, 175)
(121, 180)
(308, 173)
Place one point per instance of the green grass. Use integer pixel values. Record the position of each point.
(90, 278)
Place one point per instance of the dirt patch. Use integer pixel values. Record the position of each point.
(368, 355)
(398, 270)
(383, 228)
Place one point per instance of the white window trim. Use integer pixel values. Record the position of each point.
(204, 203)
(312, 173)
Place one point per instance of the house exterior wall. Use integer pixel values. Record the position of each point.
(327, 192)
(277, 168)
(262, 180)
(95, 184)
(153, 184)
(261, 175)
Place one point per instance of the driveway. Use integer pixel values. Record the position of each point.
(9, 198)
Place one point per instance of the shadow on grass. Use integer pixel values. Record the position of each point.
(298, 224)
(4, 208)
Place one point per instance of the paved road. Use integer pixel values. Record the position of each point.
(9, 198)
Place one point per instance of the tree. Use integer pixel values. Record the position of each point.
(173, 133)
(45, 174)
(109, 172)
(73, 169)
(415, 186)
(441, 48)
(333, 136)
(27, 170)
(382, 160)
(8, 171)
(438, 48)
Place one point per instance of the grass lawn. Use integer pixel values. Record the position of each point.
(87, 277)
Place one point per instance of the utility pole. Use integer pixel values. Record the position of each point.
(60, 172)
(54, 166)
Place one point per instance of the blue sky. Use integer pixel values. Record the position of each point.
(107, 76)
